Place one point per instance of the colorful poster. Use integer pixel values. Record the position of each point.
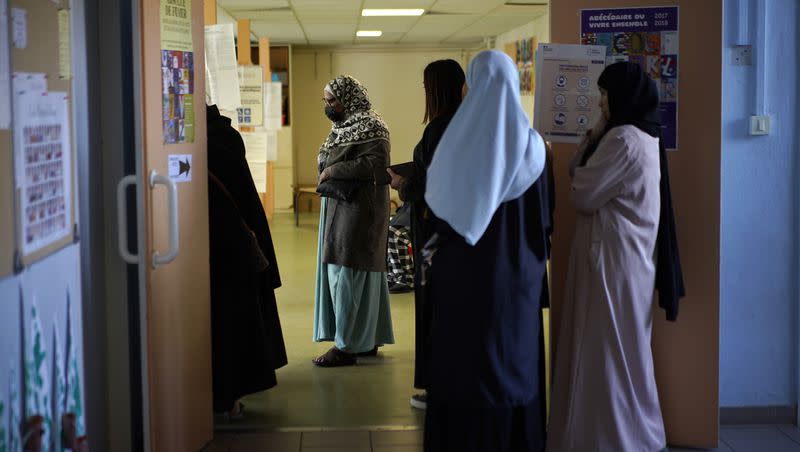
(567, 97)
(251, 82)
(42, 155)
(176, 25)
(524, 60)
(177, 71)
(649, 38)
(177, 80)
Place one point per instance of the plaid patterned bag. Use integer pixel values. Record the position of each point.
(401, 260)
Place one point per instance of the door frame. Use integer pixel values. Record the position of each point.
(106, 31)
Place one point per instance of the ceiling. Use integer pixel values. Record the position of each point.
(334, 22)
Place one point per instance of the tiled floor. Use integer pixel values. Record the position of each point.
(343, 441)
(756, 438)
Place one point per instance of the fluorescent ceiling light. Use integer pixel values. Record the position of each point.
(368, 33)
(392, 12)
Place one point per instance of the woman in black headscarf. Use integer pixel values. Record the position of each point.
(246, 337)
(624, 247)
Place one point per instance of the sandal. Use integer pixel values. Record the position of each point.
(371, 353)
(232, 415)
(237, 412)
(335, 358)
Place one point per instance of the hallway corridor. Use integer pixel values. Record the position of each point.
(374, 394)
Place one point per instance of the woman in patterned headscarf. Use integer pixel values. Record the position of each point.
(352, 297)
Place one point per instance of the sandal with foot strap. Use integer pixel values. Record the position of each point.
(335, 358)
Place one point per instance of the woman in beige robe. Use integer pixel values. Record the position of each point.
(604, 394)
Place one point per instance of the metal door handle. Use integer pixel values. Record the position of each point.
(172, 190)
(122, 220)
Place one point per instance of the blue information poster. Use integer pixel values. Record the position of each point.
(645, 36)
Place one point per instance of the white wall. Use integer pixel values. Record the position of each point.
(539, 29)
(393, 79)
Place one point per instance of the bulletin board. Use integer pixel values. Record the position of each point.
(44, 52)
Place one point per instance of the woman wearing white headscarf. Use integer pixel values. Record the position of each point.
(487, 271)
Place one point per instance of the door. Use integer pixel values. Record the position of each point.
(175, 320)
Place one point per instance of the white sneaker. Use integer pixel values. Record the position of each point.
(420, 401)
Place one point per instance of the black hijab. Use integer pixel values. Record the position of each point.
(633, 100)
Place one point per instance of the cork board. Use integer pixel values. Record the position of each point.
(41, 55)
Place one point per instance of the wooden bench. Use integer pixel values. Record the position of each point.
(302, 190)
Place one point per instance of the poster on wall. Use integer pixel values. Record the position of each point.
(273, 105)
(222, 78)
(567, 96)
(261, 147)
(64, 45)
(176, 25)
(42, 155)
(649, 38)
(251, 82)
(177, 71)
(255, 144)
(259, 172)
(524, 60)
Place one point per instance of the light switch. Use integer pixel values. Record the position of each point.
(759, 125)
(742, 55)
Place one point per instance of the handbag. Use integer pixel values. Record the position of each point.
(258, 260)
(402, 217)
(343, 190)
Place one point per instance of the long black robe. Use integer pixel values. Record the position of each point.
(247, 341)
(422, 225)
(487, 361)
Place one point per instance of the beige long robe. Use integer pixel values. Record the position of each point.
(604, 394)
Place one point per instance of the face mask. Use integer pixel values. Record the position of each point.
(333, 115)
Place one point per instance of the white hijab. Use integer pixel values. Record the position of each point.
(489, 154)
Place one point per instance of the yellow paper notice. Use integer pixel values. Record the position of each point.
(176, 25)
(64, 43)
